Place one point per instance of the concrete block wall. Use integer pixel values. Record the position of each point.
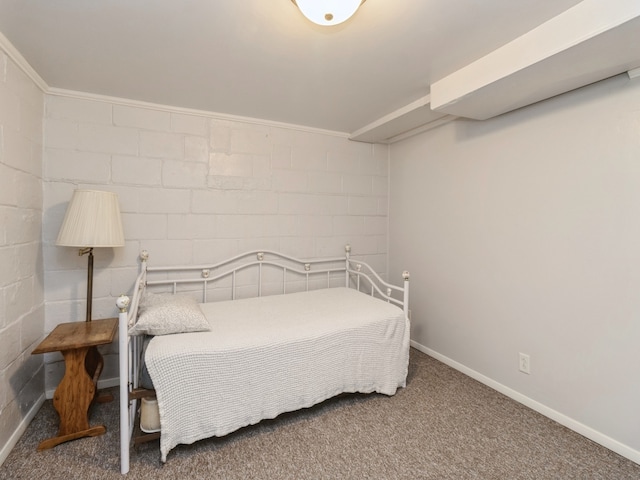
(198, 189)
(21, 268)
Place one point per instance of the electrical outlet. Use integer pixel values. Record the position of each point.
(524, 363)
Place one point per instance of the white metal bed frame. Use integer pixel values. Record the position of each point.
(357, 274)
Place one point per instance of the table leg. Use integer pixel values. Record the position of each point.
(72, 399)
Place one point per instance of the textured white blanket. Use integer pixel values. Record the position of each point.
(270, 355)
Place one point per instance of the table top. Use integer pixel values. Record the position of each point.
(68, 336)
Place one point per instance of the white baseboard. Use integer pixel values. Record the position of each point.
(584, 430)
(13, 439)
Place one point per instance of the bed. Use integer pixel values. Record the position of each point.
(231, 344)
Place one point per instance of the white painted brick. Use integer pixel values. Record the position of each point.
(11, 344)
(213, 250)
(77, 166)
(32, 327)
(65, 311)
(357, 184)
(19, 298)
(348, 225)
(196, 149)
(77, 109)
(31, 121)
(163, 200)
(360, 245)
(28, 259)
(221, 182)
(107, 139)
(9, 270)
(60, 133)
(125, 257)
(3, 309)
(375, 225)
(343, 162)
(270, 225)
(281, 156)
(220, 136)
(383, 245)
(325, 182)
(380, 186)
(61, 285)
(281, 135)
(383, 206)
(192, 226)
(21, 225)
(10, 110)
(309, 159)
(230, 202)
(56, 197)
(189, 124)
(161, 145)
(261, 167)
(289, 181)
(363, 206)
(18, 82)
(232, 226)
(144, 226)
(8, 186)
(235, 165)
(145, 118)
(314, 225)
(312, 204)
(258, 243)
(308, 140)
(130, 170)
(301, 247)
(177, 173)
(253, 140)
(29, 191)
(3, 68)
(16, 149)
(169, 252)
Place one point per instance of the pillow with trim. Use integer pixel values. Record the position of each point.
(166, 314)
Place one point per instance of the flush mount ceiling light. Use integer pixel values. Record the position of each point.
(328, 12)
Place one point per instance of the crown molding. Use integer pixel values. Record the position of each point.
(13, 53)
(60, 92)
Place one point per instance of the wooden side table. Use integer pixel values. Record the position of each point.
(77, 341)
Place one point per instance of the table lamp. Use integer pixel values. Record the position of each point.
(92, 220)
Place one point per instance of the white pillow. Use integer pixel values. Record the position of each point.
(166, 314)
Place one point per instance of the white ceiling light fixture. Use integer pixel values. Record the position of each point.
(328, 12)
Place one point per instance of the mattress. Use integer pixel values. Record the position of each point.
(269, 355)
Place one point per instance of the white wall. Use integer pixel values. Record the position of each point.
(21, 274)
(522, 234)
(198, 189)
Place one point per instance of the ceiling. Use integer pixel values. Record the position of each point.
(263, 59)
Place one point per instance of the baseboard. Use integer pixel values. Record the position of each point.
(584, 430)
(13, 439)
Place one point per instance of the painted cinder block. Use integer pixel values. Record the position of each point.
(78, 110)
(126, 116)
(189, 124)
(107, 139)
(161, 145)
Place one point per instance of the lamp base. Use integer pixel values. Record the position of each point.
(82, 251)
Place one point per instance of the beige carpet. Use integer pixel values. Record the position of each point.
(444, 425)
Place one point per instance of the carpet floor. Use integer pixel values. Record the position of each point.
(444, 425)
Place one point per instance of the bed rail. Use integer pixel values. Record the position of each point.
(295, 273)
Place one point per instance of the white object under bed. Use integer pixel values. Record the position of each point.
(269, 355)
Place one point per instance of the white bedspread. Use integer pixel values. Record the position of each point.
(270, 355)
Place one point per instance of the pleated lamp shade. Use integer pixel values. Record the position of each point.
(92, 220)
